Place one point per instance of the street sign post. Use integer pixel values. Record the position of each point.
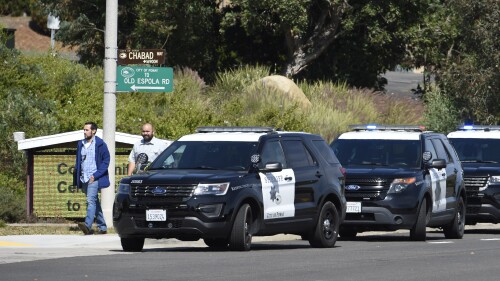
(141, 56)
(144, 79)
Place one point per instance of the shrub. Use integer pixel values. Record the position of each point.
(12, 201)
(441, 114)
(14, 8)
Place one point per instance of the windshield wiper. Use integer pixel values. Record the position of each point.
(372, 163)
(478, 161)
(204, 168)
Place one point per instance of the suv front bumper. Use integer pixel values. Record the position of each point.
(395, 211)
(186, 221)
(484, 206)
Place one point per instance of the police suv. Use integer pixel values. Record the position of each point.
(478, 148)
(227, 184)
(400, 177)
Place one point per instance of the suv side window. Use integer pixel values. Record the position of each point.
(441, 152)
(430, 147)
(325, 151)
(297, 154)
(272, 152)
(452, 154)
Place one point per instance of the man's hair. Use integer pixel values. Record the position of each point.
(152, 127)
(93, 126)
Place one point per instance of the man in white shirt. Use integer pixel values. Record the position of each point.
(149, 145)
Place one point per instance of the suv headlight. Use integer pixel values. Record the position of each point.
(123, 188)
(494, 179)
(398, 185)
(211, 188)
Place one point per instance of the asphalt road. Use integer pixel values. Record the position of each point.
(372, 256)
(401, 83)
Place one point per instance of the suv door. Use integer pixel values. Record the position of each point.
(278, 188)
(451, 173)
(437, 179)
(307, 175)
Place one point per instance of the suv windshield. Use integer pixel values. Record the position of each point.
(218, 155)
(477, 150)
(354, 152)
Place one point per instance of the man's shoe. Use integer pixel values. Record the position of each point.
(85, 229)
(102, 232)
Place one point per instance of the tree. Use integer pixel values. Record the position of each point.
(349, 40)
(188, 30)
(83, 25)
(343, 40)
(470, 75)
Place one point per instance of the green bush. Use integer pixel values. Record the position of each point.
(12, 201)
(441, 114)
(14, 8)
(335, 107)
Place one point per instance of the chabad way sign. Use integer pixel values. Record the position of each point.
(144, 79)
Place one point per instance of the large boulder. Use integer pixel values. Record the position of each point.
(286, 87)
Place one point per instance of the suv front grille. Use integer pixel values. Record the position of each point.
(372, 187)
(474, 184)
(177, 193)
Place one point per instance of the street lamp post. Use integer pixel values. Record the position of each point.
(53, 25)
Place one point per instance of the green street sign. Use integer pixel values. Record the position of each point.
(144, 79)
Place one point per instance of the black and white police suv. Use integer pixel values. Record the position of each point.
(401, 177)
(478, 148)
(227, 184)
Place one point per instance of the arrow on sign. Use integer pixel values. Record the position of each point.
(135, 88)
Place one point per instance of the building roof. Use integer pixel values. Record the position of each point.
(69, 140)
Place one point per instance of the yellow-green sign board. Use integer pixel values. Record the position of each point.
(53, 192)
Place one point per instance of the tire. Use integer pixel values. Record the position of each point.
(347, 233)
(216, 243)
(456, 228)
(418, 231)
(325, 233)
(241, 233)
(132, 244)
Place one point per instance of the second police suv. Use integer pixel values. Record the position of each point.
(478, 148)
(401, 177)
(227, 184)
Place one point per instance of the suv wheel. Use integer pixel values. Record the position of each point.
(417, 232)
(217, 243)
(132, 244)
(241, 236)
(326, 231)
(455, 229)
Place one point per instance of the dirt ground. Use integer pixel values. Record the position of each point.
(29, 40)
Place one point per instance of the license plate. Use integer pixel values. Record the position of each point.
(156, 215)
(353, 207)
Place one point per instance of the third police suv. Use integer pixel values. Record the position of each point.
(401, 177)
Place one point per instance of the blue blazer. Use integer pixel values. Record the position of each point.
(102, 159)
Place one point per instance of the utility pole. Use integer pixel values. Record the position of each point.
(109, 109)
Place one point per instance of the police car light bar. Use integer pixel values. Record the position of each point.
(219, 129)
(478, 127)
(368, 127)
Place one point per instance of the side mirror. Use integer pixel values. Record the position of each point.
(438, 164)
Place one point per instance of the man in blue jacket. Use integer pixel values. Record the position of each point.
(91, 174)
